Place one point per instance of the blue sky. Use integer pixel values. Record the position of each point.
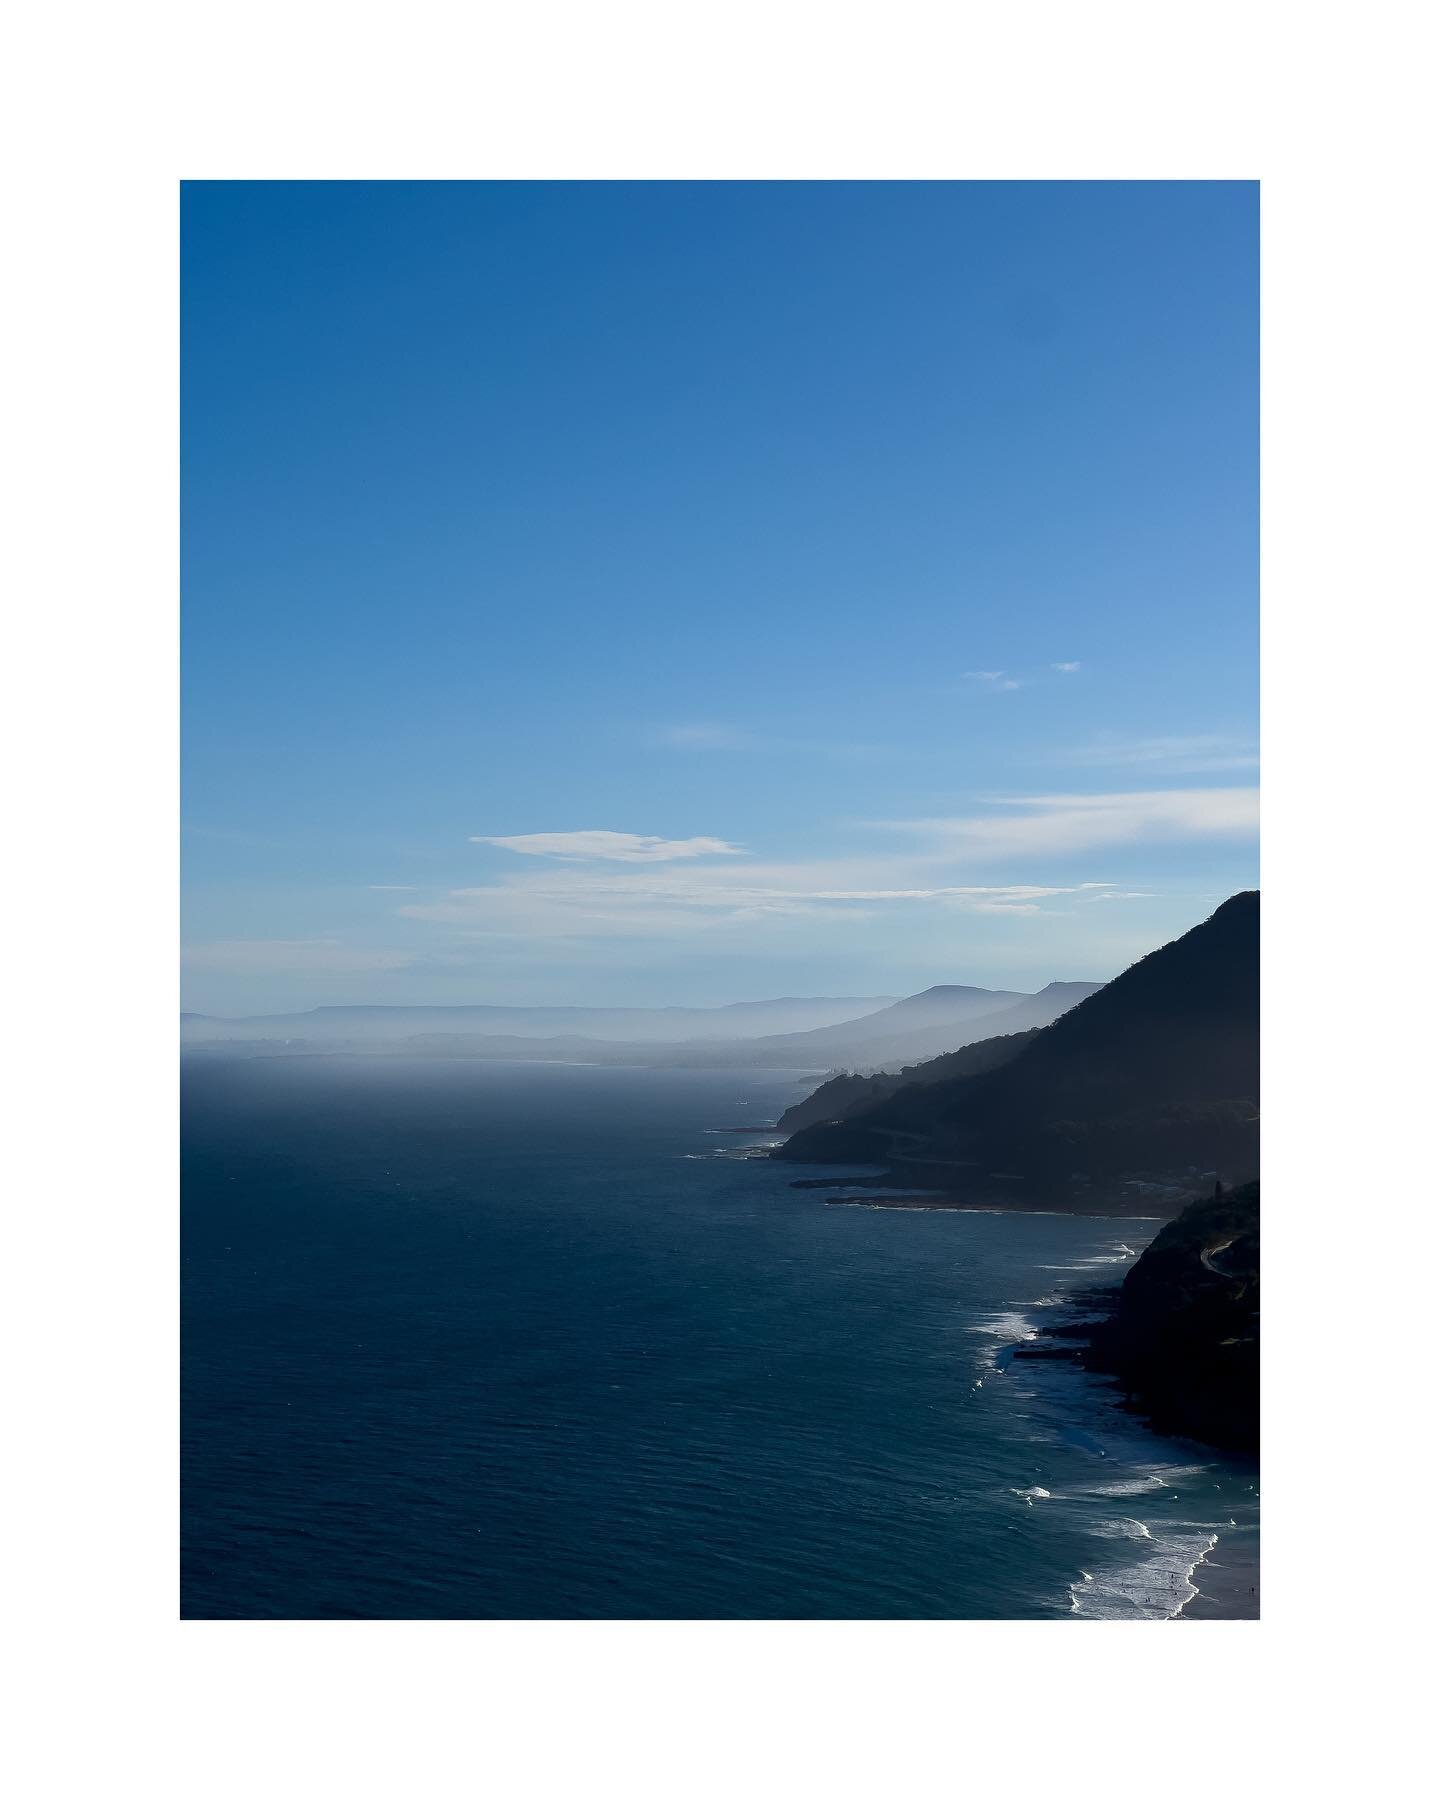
(680, 593)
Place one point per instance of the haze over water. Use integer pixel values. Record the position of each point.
(483, 1340)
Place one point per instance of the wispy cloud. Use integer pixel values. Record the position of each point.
(702, 738)
(581, 902)
(599, 884)
(610, 846)
(995, 678)
(1211, 753)
(1071, 824)
(391, 887)
(709, 737)
(1070, 668)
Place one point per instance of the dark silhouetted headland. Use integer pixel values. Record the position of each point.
(1184, 1339)
(1137, 1099)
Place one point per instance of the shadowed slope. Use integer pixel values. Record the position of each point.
(1156, 1075)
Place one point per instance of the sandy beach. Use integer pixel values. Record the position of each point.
(1228, 1580)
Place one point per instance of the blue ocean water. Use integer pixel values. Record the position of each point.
(470, 1340)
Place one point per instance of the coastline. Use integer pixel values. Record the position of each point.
(1177, 1573)
(1227, 1580)
(928, 1202)
(1223, 1579)
(883, 1189)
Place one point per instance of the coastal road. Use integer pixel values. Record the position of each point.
(1215, 1250)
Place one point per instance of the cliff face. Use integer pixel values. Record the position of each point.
(1184, 1340)
(1156, 1077)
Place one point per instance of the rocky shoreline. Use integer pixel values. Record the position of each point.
(1180, 1336)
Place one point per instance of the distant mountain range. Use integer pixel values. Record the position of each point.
(611, 1024)
(1144, 1092)
(939, 1019)
(822, 1033)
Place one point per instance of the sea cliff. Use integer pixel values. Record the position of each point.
(1183, 1340)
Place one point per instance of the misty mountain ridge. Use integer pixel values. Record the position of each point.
(928, 1024)
(893, 1051)
(1145, 1086)
(822, 1032)
(851, 1092)
(739, 1018)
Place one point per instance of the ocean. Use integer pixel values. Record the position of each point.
(481, 1340)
